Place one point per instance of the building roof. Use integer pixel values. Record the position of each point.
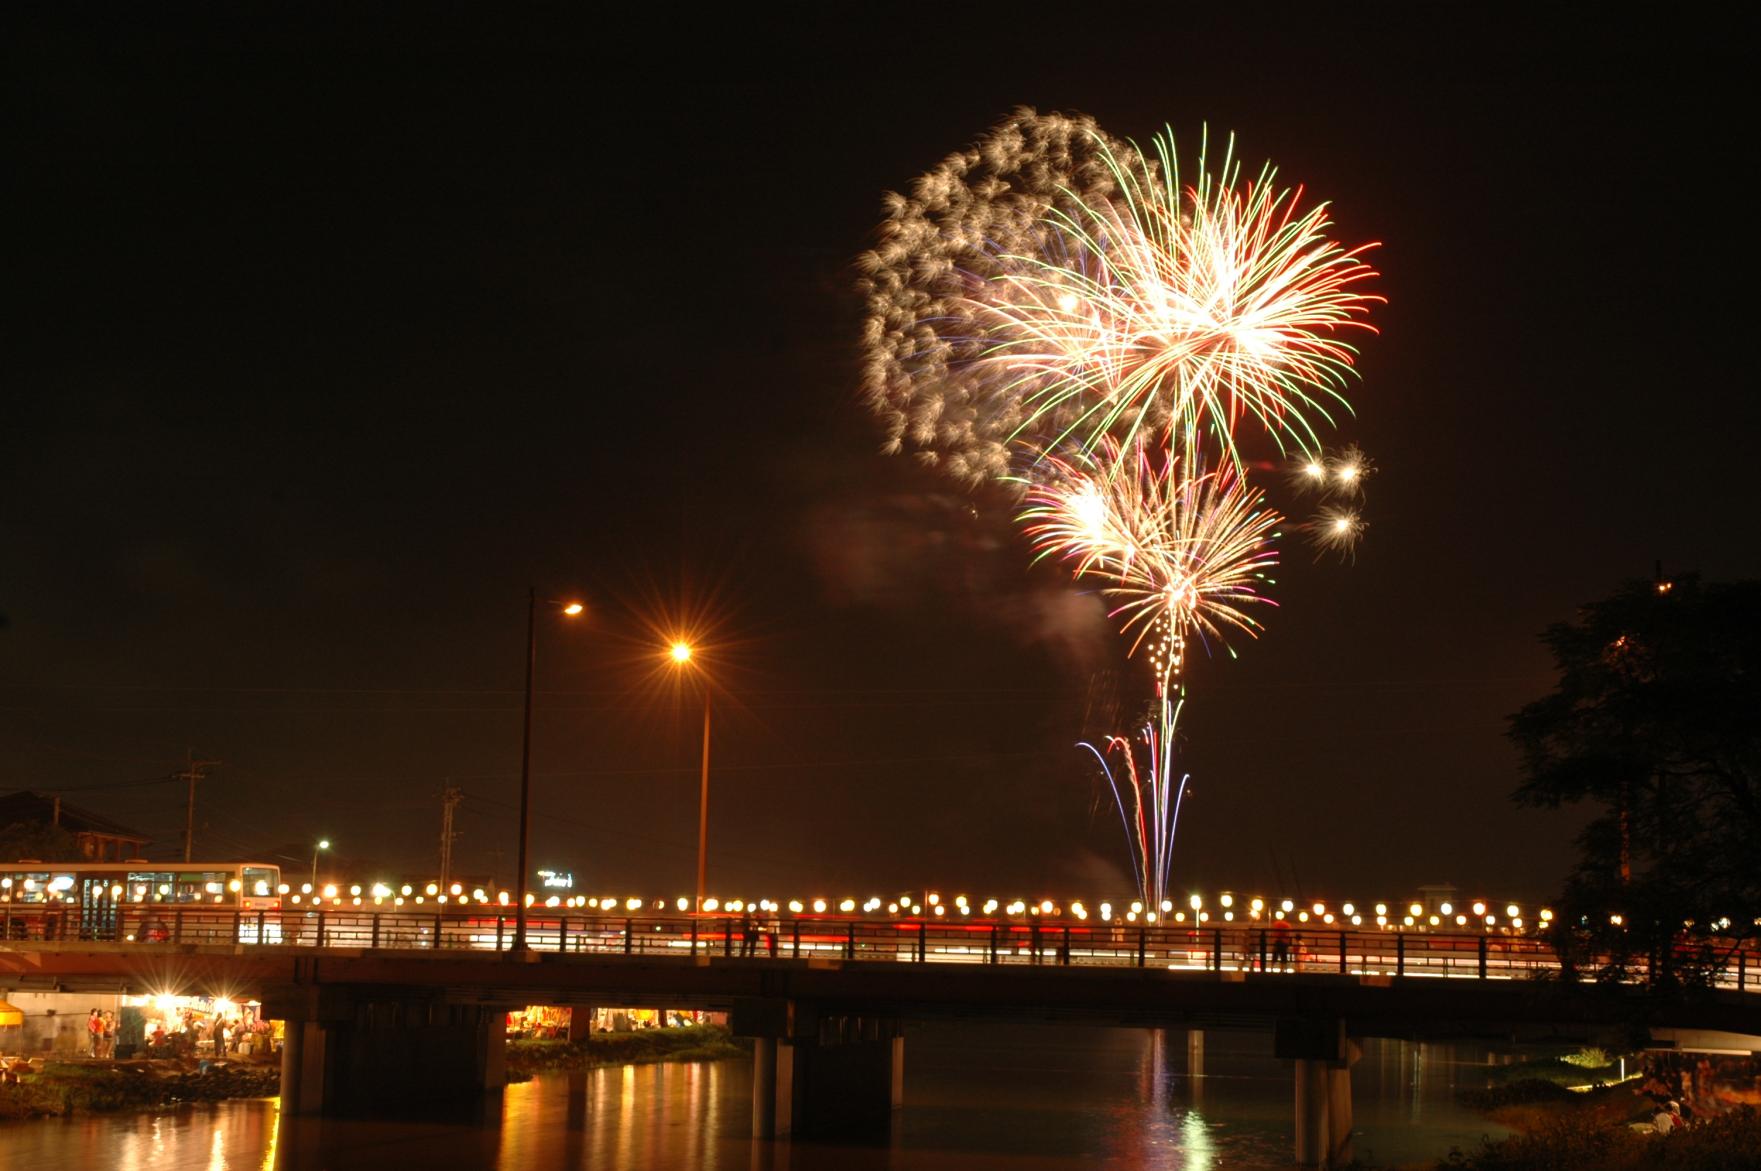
(26, 806)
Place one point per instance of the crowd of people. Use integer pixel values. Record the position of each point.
(1684, 1088)
(193, 1033)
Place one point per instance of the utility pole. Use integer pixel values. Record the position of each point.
(192, 773)
(449, 799)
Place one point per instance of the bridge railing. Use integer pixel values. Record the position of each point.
(1227, 948)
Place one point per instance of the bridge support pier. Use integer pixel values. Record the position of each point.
(1322, 1056)
(831, 1075)
(378, 1052)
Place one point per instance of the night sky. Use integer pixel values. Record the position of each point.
(327, 340)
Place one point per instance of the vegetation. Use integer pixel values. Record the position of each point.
(1653, 725)
(1583, 1139)
(1574, 1067)
(694, 1043)
(39, 840)
(64, 1087)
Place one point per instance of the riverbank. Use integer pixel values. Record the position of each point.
(1574, 1110)
(64, 1087)
(638, 1047)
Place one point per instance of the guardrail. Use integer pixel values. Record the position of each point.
(1231, 948)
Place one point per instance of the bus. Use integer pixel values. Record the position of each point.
(87, 900)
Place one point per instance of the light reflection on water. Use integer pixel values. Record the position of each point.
(976, 1097)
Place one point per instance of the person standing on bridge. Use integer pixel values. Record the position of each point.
(1280, 944)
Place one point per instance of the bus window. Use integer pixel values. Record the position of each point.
(31, 887)
(201, 886)
(261, 882)
(149, 886)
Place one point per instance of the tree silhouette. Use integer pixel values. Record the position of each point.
(1656, 721)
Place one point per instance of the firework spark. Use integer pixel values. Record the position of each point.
(1336, 530)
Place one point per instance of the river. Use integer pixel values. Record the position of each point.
(976, 1096)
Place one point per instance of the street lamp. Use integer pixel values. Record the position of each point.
(323, 844)
(572, 610)
(681, 656)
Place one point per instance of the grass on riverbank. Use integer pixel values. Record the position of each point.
(64, 1087)
(694, 1043)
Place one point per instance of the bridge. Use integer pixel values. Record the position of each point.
(383, 1010)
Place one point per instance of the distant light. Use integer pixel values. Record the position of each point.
(324, 843)
(573, 608)
(681, 652)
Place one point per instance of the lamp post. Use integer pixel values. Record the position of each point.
(681, 654)
(572, 609)
(323, 844)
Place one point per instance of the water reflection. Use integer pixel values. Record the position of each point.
(976, 1097)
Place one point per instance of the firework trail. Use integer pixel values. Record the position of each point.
(1148, 797)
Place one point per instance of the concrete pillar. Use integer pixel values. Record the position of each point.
(1339, 1114)
(898, 1071)
(1312, 1132)
(292, 1051)
(314, 1041)
(788, 1091)
(492, 1050)
(764, 1087)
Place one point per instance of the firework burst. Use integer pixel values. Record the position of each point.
(1180, 550)
(937, 251)
(1184, 308)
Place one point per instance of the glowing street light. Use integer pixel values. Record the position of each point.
(573, 610)
(680, 652)
(323, 844)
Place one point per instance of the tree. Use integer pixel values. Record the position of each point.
(1656, 722)
(39, 840)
